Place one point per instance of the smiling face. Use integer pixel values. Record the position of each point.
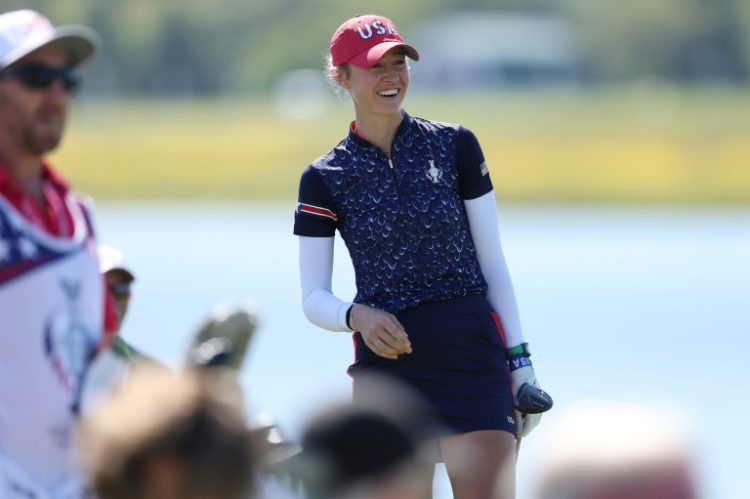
(32, 120)
(378, 90)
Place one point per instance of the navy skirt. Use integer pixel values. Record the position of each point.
(457, 363)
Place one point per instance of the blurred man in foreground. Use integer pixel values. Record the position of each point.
(186, 435)
(357, 453)
(381, 445)
(51, 291)
(169, 435)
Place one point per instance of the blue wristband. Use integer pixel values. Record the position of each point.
(518, 361)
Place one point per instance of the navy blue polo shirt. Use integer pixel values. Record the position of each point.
(403, 220)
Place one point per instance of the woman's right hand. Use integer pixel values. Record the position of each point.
(382, 332)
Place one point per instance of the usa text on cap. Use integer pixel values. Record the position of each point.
(364, 39)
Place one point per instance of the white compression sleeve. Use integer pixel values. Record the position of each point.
(482, 213)
(321, 307)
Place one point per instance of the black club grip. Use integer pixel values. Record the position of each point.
(531, 399)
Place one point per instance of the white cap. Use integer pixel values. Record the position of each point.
(24, 31)
(111, 258)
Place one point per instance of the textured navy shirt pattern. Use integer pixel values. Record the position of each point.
(405, 225)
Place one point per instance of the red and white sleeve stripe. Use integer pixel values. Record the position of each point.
(317, 210)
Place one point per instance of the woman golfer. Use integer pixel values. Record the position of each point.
(435, 307)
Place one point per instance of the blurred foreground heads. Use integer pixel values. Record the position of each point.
(355, 453)
(375, 448)
(165, 435)
(617, 451)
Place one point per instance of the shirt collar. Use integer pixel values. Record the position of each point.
(401, 130)
(48, 174)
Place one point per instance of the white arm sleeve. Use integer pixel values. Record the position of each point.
(482, 213)
(321, 307)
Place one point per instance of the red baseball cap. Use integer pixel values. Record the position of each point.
(364, 39)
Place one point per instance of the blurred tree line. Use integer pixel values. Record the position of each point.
(200, 47)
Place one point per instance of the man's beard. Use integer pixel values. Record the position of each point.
(43, 141)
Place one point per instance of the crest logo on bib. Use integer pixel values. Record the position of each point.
(69, 342)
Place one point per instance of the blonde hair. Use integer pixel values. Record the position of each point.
(329, 70)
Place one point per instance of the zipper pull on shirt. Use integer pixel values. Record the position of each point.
(390, 163)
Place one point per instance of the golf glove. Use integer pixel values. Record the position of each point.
(518, 377)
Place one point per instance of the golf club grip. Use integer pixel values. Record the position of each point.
(531, 399)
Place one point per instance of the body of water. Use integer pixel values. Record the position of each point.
(639, 304)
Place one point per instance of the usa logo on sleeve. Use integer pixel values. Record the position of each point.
(483, 169)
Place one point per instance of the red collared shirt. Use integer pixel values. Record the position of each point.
(53, 217)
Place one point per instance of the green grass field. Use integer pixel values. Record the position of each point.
(638, 145)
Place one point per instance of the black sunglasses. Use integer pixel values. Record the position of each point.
(119, 289)
(41, 76)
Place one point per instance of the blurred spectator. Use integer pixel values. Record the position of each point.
(111, 365)
(217, 351)
(352, 452)
(219, 348)
(167, 435)
(617, 451)
(51, 292)
(383, 445)
(119, 279)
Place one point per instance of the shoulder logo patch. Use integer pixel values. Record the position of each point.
(483, 169)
